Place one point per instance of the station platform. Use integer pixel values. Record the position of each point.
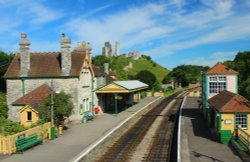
(196, 142)
(77, 138)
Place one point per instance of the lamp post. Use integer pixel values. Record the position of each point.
(52, 104)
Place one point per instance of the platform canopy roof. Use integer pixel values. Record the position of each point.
(122, 87)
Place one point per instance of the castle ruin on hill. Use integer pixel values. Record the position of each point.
(107, 51)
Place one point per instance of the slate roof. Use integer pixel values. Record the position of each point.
(220, 69)
(229, 102)
(131, 84)
(46, 64)
(34, 97)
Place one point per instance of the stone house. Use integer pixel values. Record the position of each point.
(68, 70)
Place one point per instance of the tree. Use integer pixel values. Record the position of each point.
(5, 59)
(241, 64)
(63, 108)
(185, 74)
(149, 78)
(100, 60)
(3, 106)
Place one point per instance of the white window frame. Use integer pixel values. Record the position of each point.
(241, 119)
(217, 82)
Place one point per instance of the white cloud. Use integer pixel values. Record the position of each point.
(99, 9)
(136, 25)
(220, 6)
(210, 60)
(234, 28)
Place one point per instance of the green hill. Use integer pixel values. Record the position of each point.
(124, 72)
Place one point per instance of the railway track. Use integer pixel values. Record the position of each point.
(125, 146)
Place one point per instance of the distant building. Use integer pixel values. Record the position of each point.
(107, 50)
(117, 49)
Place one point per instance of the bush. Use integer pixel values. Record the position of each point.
(3, 106)
(9, 127)
(63, 108)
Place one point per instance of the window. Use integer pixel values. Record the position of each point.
(217, 84)
(29, 115)
(241, 119)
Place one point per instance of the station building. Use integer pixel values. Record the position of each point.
(221, 105)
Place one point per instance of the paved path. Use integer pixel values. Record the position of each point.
(75, 139)
(196, 142)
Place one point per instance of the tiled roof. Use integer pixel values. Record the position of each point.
(229, 102)
(112, 73)
(46, 64)
(34, 97)
(220, 69)
(98, 71)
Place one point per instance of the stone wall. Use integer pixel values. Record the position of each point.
(77, 88)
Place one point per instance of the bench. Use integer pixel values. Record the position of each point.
(24, 143)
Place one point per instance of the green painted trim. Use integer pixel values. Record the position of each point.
(36, 77)
(92, 94)
(116, 106)
(236, 80)
(23, 87)
(18, 104)
(220, 120)
(207, 90)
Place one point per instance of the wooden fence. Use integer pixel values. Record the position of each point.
(244, 137)
(8, 145)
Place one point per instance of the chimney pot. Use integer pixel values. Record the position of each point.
(24, 45)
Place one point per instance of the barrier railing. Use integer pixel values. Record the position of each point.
(7, 143)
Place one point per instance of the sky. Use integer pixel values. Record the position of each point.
(171, 32)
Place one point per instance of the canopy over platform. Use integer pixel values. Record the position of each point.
(118, 93)
(122, 87)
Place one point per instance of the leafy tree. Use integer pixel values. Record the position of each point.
(241, 64)
(185, 74)
(3, 106)
(5, 59)
(63, 108)
(100, 60)
(149, 78)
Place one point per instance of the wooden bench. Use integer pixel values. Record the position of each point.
(24, 143)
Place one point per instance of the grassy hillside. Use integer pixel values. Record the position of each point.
(143, 64)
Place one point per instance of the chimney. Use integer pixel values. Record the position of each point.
(24, 54)
(65, 55)
(88, 49)
(106, 68)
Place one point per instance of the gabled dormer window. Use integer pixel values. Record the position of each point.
(217, 84)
